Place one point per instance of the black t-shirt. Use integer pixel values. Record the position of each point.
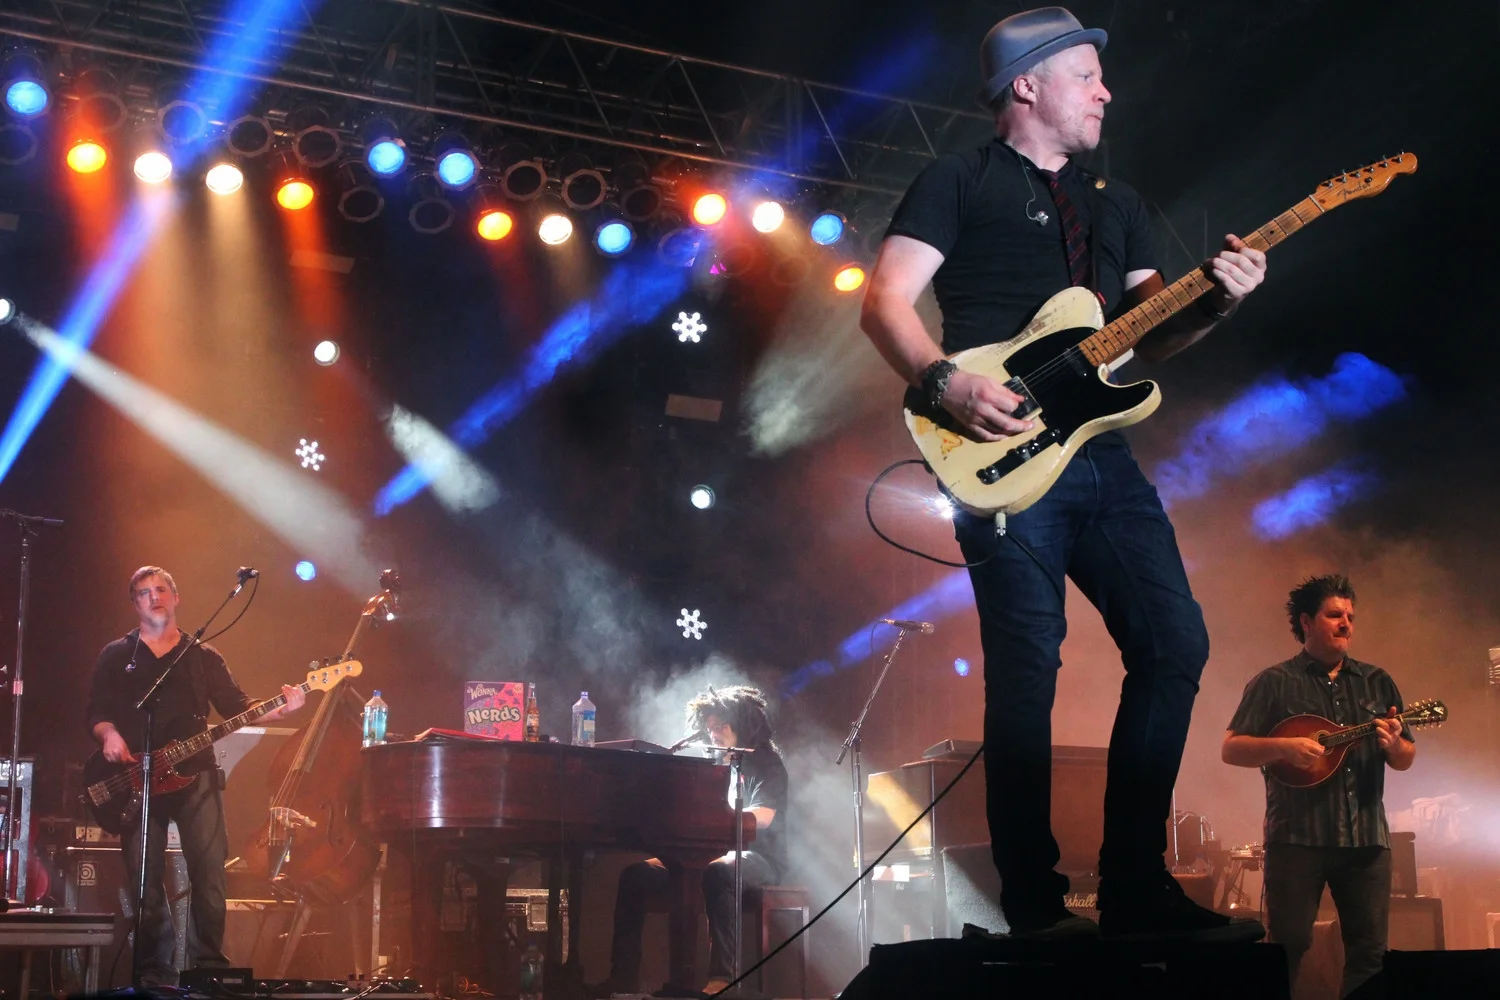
(125, 671)
(766, 787)
(999, 265)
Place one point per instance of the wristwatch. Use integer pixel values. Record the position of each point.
(935, 379)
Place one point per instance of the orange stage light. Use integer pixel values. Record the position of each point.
(710, 209)
(86, 156)
(849, 278)
(495, 225)
(294, 194)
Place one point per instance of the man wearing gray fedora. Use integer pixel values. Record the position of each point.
(998, 231)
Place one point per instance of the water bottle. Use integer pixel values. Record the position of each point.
(583, 721)
(374, 722)
(531, 974)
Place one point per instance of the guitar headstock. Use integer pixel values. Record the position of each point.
(1363, 182)
(1428, 712)
(325, 676)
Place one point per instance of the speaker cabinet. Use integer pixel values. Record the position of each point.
(1416, 924)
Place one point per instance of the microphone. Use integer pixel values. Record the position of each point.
(926, 628)
(699, 735)
(247, 573)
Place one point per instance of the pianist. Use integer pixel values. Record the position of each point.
(728, 717)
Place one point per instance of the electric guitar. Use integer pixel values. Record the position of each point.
(1338, 739)
(112, 792)
(1058, 366)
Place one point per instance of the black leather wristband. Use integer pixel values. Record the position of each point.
(935, 380)
(1207, 308)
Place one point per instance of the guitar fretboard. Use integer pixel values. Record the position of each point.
(182, 751)
(1354, 733)
(1114, 339)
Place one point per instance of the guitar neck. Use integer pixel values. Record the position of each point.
(1114, 339)
(182, 751)
(1353, 734)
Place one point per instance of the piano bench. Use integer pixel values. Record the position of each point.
(760, 904)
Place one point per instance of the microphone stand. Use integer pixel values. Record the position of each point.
(852, 747)
(28, 525)
(147, 704)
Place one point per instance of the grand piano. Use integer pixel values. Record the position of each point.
(439, 799)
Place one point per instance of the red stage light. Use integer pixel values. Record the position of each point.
(710, 209)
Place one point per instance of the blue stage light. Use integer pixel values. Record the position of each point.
(614, 238)
(457, 168)
(386, 157)
(827, 229)
(306, 570)
(961, 667)
(27, 98)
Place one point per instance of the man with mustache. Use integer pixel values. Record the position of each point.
(1333, 833)
(998, 231)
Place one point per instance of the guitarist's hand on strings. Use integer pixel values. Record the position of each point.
(1388, 730)
(1301, 751)
(983, 406)
(115, 750)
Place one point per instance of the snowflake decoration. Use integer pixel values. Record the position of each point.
(691, 624)
(690, 327)
(310, 456)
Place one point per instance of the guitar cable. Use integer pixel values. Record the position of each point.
(1000, 532)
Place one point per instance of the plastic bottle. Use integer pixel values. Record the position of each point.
(373, 728)
(533, 732)
(583, 721)
(531, 974)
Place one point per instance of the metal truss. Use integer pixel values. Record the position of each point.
(430, 63)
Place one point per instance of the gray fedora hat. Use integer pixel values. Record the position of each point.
(1022, 40)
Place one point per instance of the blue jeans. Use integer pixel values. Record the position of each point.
(1103, 526)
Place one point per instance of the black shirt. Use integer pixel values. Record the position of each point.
(766, 787)
(1348, 809)
(999, 265)
(127, 668)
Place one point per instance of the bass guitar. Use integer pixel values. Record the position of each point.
(1059, 366)
(112, 790)
(1338, 739)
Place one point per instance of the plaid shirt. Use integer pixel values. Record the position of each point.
(1346, 810)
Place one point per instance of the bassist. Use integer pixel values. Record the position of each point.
(126, 668)
(1335, 832)
(998, 231)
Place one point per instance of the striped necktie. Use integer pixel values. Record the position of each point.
(1075, 241)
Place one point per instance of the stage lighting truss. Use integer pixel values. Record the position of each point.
(360, 199)
(689, 327)
(309, 455)
(692, 624)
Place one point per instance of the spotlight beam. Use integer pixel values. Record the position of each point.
(632, 295)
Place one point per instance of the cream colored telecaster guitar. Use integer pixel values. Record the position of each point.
(1059, 366)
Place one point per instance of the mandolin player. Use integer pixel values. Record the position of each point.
(126, 669)
(1332, 832)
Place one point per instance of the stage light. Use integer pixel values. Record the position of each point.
(614, 238)
(359, 198)
(306, 571)
(709, 209)
(827, 229)
(385, 153)
(692, 624)
(639, 198)
(26, 92)
(555, 229)
(153, 166)
(457, 166)
(326, 353)
(314, 140)
(224, 178)
(294, 194)
(701, 497)
(961, 667)
(99, 106)
(494, 224)
(689, 327)
(308, 454)
(522, 176)
(179, 119)
(18, 144)
(583, 185)
(249, 136)
(680, 243)
(86, 156)
(431, 211)
(849, 278)
(768, 217)
(7, 311)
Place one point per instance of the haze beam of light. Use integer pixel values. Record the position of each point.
(311, 518)
(1274, 418)
(82, 320)
(1311, 501)
(460, 484)
(233, 52)
(632, 295)
(952, 594)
